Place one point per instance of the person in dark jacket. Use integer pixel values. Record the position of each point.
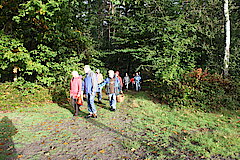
(90, 89)
(113, 88)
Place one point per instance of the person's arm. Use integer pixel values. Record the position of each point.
(94, 82)
(101, 78)
(103, 83)
(79, 87)
(121, 82)
(119, 85)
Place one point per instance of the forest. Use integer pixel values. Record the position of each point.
(187, 52)
(178, 45)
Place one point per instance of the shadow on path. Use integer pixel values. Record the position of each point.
(59, 96)
(7, 130)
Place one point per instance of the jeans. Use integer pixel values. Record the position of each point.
(138, 87)
(75, 105)
(112, 100)
(90, 101)
(99, 93)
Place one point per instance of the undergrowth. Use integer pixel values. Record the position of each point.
(22, 94)
(200, 90)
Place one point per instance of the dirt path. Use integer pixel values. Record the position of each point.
(68, 138)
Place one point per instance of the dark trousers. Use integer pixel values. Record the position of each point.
(75, 106)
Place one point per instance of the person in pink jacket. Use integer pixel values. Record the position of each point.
(75, 91)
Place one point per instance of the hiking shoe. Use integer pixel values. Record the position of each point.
(112, 109)
(89, 116)
(94, 115)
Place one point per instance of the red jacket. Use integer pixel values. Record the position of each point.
(132, 80)
(76, 86)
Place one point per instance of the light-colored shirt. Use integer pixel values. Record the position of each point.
(99, 78)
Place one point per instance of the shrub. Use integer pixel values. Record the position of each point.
(201, 90)
(22, 94)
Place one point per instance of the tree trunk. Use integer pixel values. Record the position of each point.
(227, 48)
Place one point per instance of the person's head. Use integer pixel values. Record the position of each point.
(117, 73)
(137, 74)
(126, 74)
(75, 74)
(97, 71)
(86, 68)
(111, 73)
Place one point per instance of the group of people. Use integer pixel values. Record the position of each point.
(135, 81)
(93, 84)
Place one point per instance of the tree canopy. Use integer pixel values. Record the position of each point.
(164, 39)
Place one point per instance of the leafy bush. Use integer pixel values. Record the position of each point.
(22, 94)
(200, 90)
(60, 94)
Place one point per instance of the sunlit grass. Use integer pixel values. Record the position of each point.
(183, 131)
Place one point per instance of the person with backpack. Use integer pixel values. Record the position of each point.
(126, 81)
(76, 91)
(137, 80)
(90, 89)
(113, 88)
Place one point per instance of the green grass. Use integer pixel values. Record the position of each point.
(184, 132)
(14, 95)
(140, 122)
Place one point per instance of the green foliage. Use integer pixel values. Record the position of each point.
(14, 54)
(201, 90)
(22, 94)
(57, 44)
(163, 39)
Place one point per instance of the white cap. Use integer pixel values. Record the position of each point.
(75, 74)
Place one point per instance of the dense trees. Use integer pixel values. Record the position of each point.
(165, 39)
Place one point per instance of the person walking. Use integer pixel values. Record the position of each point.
(126, 81)
(113, 87)
(75, 91)
(137, 80)
(90, 89)
(99, 90)
(119, 78)
(132, 81)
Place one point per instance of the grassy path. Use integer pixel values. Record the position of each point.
(51, 132)
(139, 129)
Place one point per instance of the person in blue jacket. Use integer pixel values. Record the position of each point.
(90, 89)
(137, 80)
(113, 88)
